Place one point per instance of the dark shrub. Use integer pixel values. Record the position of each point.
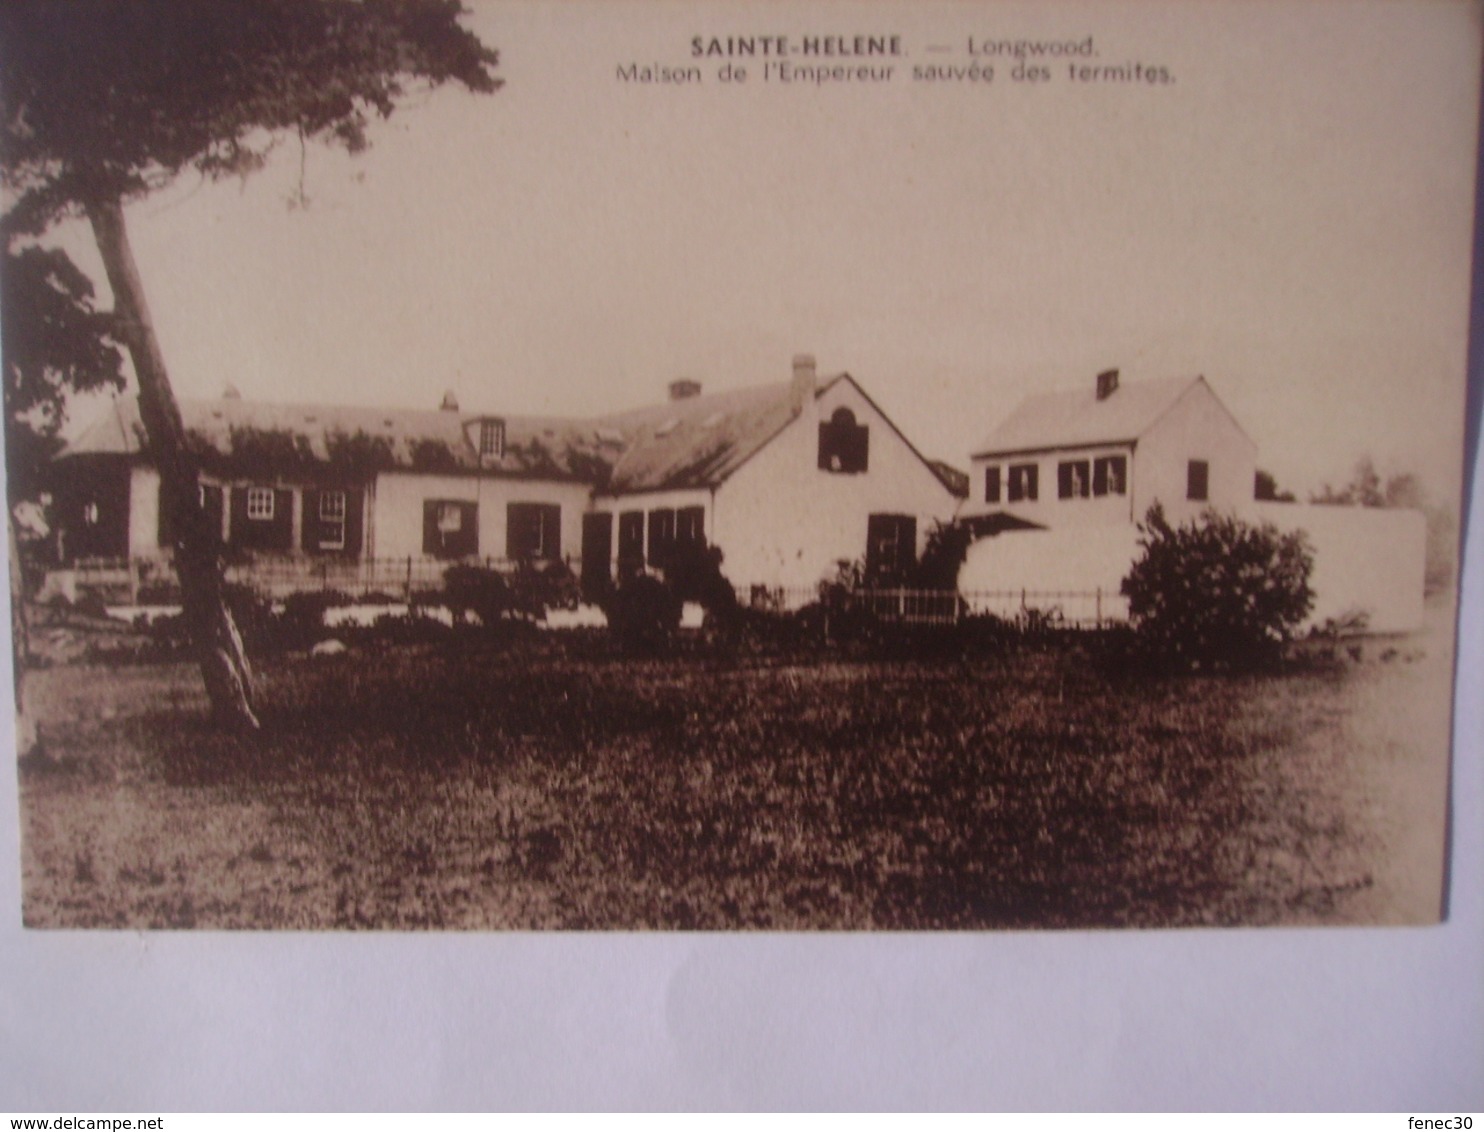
(1217, 591)
(538, 586)
(477, 590)
(165, 591)
(643, 614)
(942, 556)
(300, 623)
(693, 572)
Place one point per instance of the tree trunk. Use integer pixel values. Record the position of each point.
(20, 646)
(229, 679)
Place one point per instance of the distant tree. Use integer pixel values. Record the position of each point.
(1366, 488)
(1217, 591)
(102, 102)
(1363, 490)
(1266, 489)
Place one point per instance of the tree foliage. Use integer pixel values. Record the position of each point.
(56, 343)
(1265, 489)
(105, 100)
(1217, 591)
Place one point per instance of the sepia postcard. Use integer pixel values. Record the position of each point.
(728, 466)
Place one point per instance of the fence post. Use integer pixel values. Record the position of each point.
(133, 580)
(409, 579)
(1100, 607)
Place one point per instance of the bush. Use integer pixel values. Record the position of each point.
(693, 572)
(537, 587)
(477, 590)
(943, 556)
(1217, 591)
(643, 613)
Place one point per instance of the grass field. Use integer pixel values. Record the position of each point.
(552, 784)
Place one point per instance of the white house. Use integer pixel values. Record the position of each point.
(786, 479)
(1064, 481)
(1103, 454)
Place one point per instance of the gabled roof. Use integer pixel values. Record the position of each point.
(696, 441)
(1075, 418)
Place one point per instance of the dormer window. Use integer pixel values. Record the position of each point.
(491, 440)
(843, 444)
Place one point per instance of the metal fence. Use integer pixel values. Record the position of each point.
(151, 581)
(1072, 609)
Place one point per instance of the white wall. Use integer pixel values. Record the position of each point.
(1048, 565)
(1365, 559)
(397, 510)
(1197, 427)
(1369, 559)
(782, 521)
(144, 512)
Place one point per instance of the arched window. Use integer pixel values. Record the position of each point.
(843, 445)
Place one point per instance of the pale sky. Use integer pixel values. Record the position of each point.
(1291, 217)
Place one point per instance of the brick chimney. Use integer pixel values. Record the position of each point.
(684, 388)
(804, 382)
(1107, 384)
(450, 402)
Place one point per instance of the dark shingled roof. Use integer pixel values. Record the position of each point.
(409, 439)
(694, 442)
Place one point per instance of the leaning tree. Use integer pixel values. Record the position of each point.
(103, 102)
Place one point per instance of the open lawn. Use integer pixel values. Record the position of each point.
(551, 783)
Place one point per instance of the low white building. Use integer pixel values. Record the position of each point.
(786, 479)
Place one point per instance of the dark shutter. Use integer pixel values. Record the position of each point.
(630, 542)
(215, 501)
(690, 525)
(860, 449)
(1198, 480)
(661, 533)
(597, 551)
(355, 520)
(522, 530)
(1064, 481)
(1109, 476)
(236, 534)
(310, 534)
(992, 484)
(281, 534)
